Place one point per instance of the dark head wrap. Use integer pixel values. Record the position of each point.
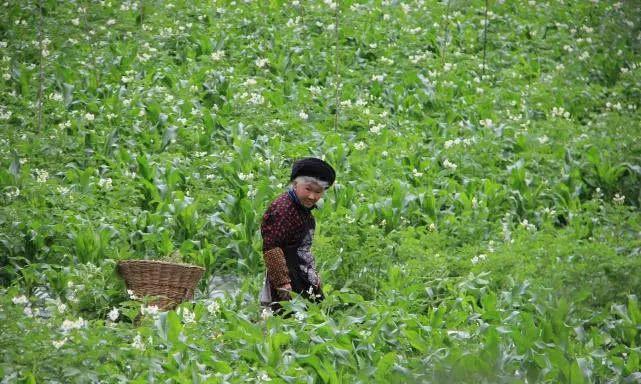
(311, 166)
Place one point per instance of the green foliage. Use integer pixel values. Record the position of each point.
(484, 226)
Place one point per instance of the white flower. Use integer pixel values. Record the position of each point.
(105, 183)
(5, 115)
(528, 226)
(131, 294)
(618, 199)
(560, 112)
(376, 129)
(20, 300)
(71, 297)
(300, 316)
(549, 211)
(256, 98)
(479, 258)
(150, 310)
(214, 307)
(41, 175)
(217, 55)
(113, 314)
(416, 173)
(432, 227)
(346, 103)
(261, 62)
(89, 116)
(266, 313)
(250, 82)
(449, 165)
(55, 96)
(330, 4)
(303, 115)
(315, 90)
(378, 78)
(59, 343)
(360, 145)
(75, 21)
(187, 315)
(62, 307)
(12, 192)
(111, 22)
(245, 176)
(138, 344)
(69, 325)
(487, 123)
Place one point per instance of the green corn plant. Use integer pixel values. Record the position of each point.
(174, 179)
(566, 201)
(57, 278)
(188, 221)
(82, 178)
(602, 172)
(90, 245)
(28, 275)
(336, 151)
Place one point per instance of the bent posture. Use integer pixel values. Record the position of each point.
(288, 229)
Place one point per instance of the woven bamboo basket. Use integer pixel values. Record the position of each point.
(169, 283)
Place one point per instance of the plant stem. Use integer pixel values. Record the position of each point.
(337, 73)
(447, 30)
(485, 38)
(41, 75)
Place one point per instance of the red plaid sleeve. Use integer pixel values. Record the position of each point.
(274, 231)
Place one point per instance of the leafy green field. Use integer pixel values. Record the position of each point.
(484, 227)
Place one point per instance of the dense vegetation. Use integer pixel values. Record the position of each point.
(484, 227)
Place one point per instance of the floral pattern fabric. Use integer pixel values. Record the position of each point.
(287, 230)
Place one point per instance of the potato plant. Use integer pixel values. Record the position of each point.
(484, 226)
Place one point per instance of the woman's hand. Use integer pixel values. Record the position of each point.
(283, 292)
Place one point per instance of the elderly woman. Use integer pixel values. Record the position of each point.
(288, 229)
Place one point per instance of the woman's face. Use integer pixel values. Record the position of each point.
(308, 193)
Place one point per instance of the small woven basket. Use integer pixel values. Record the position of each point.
(169, 283)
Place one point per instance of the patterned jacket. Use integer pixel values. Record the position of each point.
(287, 230)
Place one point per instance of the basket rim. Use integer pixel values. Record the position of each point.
(143, 261)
